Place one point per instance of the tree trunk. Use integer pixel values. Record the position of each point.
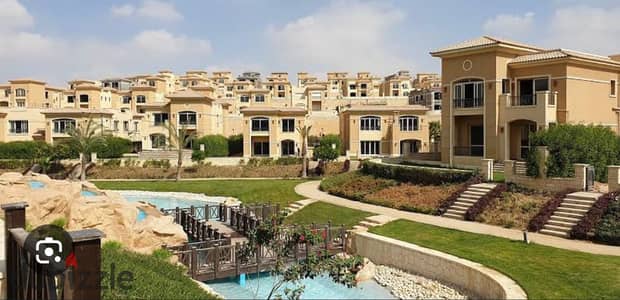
(304, 155)
(83, 168)
(179, 164)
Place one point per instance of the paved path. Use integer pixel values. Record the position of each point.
(311, 190)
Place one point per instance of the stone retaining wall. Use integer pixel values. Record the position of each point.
(547, 184)
(473, 278)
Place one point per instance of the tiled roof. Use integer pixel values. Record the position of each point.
(560, 53)
(361, 108)
(186, 94)
(481, 42)
(273, 110)
(77, 111)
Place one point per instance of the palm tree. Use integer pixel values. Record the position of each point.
(86, 137)
(304, 131)
(178, 138)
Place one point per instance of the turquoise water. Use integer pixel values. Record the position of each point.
(318, 288)
(35, 184)
(86, 193)
(163, 200)
(141, 215)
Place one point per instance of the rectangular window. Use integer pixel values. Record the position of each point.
(281, 95)
(187, 118)
(46, 94)
(18, 127)
(259, 98)
(316, 95)
(126, 125)
(229, 88)
(20, 103)
(613, 87)
(115, 125)
(370, 147)
(288, 125)
(260, 124)
(239, 87)
(159, 119)
(370, 123)
(244, 98)
(135, 126)
(505, 86)
(70, 99)
(352, 94)
(395, 85)
(83, 98)
(61, 126)
(280, 88)
(261, 148)
(363, 94)
(409, 123)
(7, 92)
(363, 86)
(351, 86)
(126, 99)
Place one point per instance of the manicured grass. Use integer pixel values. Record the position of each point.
(499, 177)
(321, 213)
(247, 191)
(544, 272)
(153, 277)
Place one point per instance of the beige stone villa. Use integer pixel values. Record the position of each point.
(266, 111)
(495, 92)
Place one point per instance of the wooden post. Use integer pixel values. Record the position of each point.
(14, 217)
(87, 276)
(343, 238)
(207, 212)
(237, 265)
(258, 256)
(216, 261)
(176, 215)
(326, 239)
(194, 263)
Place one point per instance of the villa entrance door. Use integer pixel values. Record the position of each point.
(476, 140)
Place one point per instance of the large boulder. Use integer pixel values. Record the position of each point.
(106, 211)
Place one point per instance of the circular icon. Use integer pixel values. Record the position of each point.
(51, 247)
(467, 64)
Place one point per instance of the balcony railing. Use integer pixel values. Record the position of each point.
(523, 100)
(473, 150)
(468, 102)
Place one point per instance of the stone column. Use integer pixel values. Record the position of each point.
(580, 176)
(509, 170)
(543, 155)
(487, 169)
(613, 178)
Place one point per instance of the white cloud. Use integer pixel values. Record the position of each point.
(511, 26)
(344, 35)
(154, 9)
(586, 28)
(125, 10)
(14, 15)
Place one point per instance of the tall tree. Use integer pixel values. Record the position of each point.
(86, 137)
(303, 132)
(178, 138)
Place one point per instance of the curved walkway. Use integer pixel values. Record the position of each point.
(311, 190)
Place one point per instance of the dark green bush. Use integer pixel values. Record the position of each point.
(8, 164)
(64, 150)
(198, 155)
(112, 163)
(235, 145)
(114, 147)
(288, 160)
(23, 150)
(608, 229)
(569, 144)
(215, 145)
(416, 175)
(329, 148)
(155, 163)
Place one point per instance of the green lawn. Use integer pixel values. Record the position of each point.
(321, 213)
(247, 191)
(499, 177)
(544, 272)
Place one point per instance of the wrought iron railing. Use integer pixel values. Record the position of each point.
(468, 102)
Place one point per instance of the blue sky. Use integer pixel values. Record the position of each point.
(61, 40)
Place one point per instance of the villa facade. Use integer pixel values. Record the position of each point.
(138, 107)
(495, 92)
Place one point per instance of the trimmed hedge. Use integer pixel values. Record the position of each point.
(416, 175)
(592, 217)
(215, 145)
(24, 150)
(450, 200)
(325, 151)
(484, 201)
(9, 164)
(113, 147)
(608, 229)
(544, 214)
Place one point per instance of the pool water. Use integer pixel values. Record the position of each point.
(318, 288)
(167, 200)
(141, 215)
(35, 184)
(86, 193)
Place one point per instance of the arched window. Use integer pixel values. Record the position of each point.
(370, 123)
(140, 99)
(187, 118)
(469, 93)
(260, 124)
(62, 125)
(408, 123)
(158, 141)
(20, 93)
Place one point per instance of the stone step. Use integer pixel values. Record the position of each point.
(557, 228)
(473, 194)
(463, 203)
(468, 200)
(561, 223)
(456, 211)
(460, 206)
(577, 206)
(569, 214)
(380, 219)
(488, 186)
(296, 205)
(584, 195)
(480, 190)
(453, 216)
(359, 227)
(554, 233)
(468, 196)
(578, 201)
(572, 210)
(564, 219)
(367, 224)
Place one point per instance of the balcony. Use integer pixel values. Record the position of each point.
(468, 102)
(540, 108)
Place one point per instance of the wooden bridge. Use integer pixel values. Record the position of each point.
(211, 255)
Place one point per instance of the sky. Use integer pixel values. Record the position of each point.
(60, 40)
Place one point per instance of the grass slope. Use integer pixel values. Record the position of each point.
(247, 191)
(321, 213)
(544, 272)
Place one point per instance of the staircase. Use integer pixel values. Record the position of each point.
(298, 205)
(373, 221)
(569, 213)
(520, 167)
(467, 198)
(498, 166)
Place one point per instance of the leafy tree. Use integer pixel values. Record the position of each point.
(282, 241)
(434, 131)
(178, 139)
(329, 148)
(304, 132)
(85, 138)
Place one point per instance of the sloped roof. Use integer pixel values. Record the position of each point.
(483, 42)
(363, 108)
(186, 94)
(561, 53)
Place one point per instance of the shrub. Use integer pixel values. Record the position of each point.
(592, 217)
(473, 211)
(544, 214)
(113, 147)
(288, 160)
(416, 175)
(112, 163)
(608, 229)
(131, 163)
(198, 155)
(235, 145)
(257, 162)
(15, 164)
(64, 150)
(215, 145)
(60, 222)
(155, 163)
(569, 144)
(23, 150)
(329, 148)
